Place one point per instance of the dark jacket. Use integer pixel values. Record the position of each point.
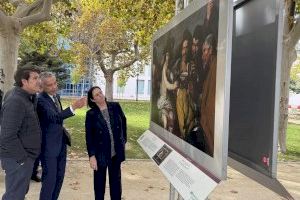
(51, 120)
(97, 134)
(20, 135)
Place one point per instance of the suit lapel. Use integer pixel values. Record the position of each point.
(49, 99)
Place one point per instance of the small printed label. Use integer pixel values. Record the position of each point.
(266, 160)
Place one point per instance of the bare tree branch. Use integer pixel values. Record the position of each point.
(16, 3)
(123, 51)
(125, 65)
(2, 18)
(100, 62)
(41, 16)
(113, 60)
(26, 10)
(295, 33)
(129, 63)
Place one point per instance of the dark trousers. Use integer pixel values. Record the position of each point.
(53, 172)
(17, 178)
(114, 174)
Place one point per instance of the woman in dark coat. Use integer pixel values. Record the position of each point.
(105, 140)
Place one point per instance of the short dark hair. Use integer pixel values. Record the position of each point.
(198, 32)
(23, 72)
(91, 104)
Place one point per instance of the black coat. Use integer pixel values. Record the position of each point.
(97, 134)
(20, 133)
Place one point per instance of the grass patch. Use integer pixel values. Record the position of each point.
(137, 114)
(293, 144)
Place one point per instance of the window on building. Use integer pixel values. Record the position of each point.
(140, 86)
(120, 90)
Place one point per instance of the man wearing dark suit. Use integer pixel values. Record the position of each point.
(105, 138)
(54, 136)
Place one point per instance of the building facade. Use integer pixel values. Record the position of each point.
(136, 88)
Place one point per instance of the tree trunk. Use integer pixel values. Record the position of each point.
(289, 55)
(284, 99)
(9, 45)
(109, 86)
(10, 28)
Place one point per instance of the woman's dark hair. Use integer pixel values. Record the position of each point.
(91, 104)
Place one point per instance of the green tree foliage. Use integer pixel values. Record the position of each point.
(46, 62)
(46, 36)
(295, 70)
(49, 36)
(112, 32)
(44, 44)
(142, 18)
(75, 76)
(7, 7)
(101, 41)
(295, 77)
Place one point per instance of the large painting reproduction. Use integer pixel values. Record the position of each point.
(191, 58)
(184, 78)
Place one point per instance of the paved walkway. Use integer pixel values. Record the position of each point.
(142, 180)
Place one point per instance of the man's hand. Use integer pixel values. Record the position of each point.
(79, 103)
(93, 163)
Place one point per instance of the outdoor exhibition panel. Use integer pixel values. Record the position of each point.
(255, 90)
(255, 79)
(184, 86)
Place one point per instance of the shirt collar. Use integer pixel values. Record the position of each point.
(51, 96)
(24, 93)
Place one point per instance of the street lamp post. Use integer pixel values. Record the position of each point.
(137, 88)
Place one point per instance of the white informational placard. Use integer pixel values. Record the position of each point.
(189, 181)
